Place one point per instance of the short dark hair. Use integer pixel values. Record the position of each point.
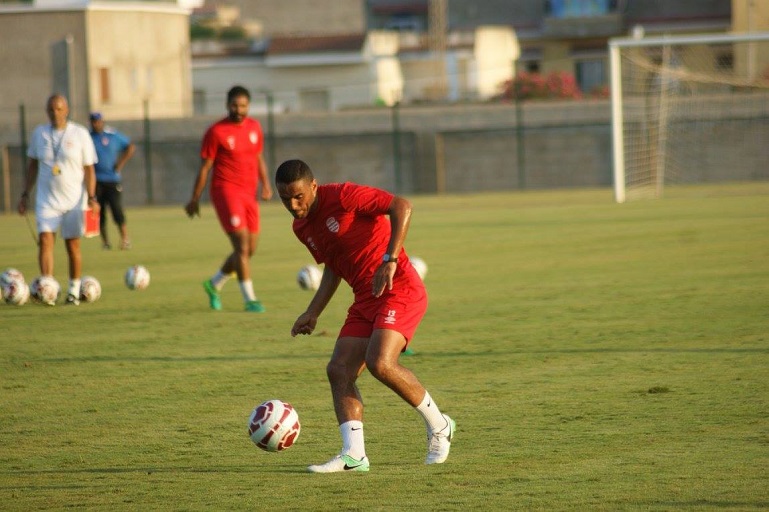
(293, 170)
(236, 91)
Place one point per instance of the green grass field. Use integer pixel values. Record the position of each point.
(595, 357)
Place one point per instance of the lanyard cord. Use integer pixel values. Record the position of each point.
(57, 146)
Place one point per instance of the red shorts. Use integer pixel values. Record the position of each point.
(236, 210)
(400, 310)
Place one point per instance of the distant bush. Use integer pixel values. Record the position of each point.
(234, 33)
(202, 32)
(535, 86)
(601, 91)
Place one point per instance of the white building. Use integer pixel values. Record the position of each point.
(328, 73)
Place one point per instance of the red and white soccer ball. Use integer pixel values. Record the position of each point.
(309, 277)
(45, 289)
(15, 292)
(13, 287)
(274, 425)
(137, 277)
(90, 289)
(9, 275)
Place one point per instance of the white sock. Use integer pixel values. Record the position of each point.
(434, 420)
(74, 287)
(219, 279)
(352, 439)
(247, 289)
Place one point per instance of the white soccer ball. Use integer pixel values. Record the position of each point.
(9, 275)
(45, 289)
(90, 289)
(16, 292)
(274, 425)
(137, 277)
(420, 266)
(309, 277)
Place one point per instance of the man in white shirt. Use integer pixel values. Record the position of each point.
(61, 157)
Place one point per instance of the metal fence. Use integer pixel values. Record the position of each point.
(409, 150)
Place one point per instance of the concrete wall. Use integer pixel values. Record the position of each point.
(26, 58)
(306, 17)
(147, 56)
(140, 44)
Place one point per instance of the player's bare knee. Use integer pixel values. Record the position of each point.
(337, 371)
(381, 368)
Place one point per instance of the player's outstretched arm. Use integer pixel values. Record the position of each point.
(193, 207)
(264, 179)
(307, 321)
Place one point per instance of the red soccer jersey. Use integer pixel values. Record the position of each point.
(349, 232)
(235, 150)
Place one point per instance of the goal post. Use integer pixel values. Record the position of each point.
(688, 109)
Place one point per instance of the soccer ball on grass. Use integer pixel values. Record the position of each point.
(309, 277)
(137, 277)
(90, 289)
(45, 289)
(9, 275)
(420, 266)
(15, 292)
(274, 425)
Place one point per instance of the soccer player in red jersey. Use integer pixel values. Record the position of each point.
(233, 148)
(346, 227)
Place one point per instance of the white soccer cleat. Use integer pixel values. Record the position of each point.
(339, 464)
(439, 443)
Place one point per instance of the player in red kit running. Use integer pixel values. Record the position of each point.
(233, 148)
(346, 227)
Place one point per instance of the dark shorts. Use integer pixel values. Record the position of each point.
(109, 196)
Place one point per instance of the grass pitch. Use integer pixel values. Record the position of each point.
(595, 357)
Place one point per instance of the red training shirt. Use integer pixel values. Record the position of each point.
(235, 150)
(349, 232)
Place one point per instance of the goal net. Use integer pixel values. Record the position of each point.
(688, 109)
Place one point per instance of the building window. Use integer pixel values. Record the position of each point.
(591, 74)
(725, 62)
(531, 66)
(407, 22)
(578, 8)
(104, 85)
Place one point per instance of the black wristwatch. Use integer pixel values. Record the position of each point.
(389, 259)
